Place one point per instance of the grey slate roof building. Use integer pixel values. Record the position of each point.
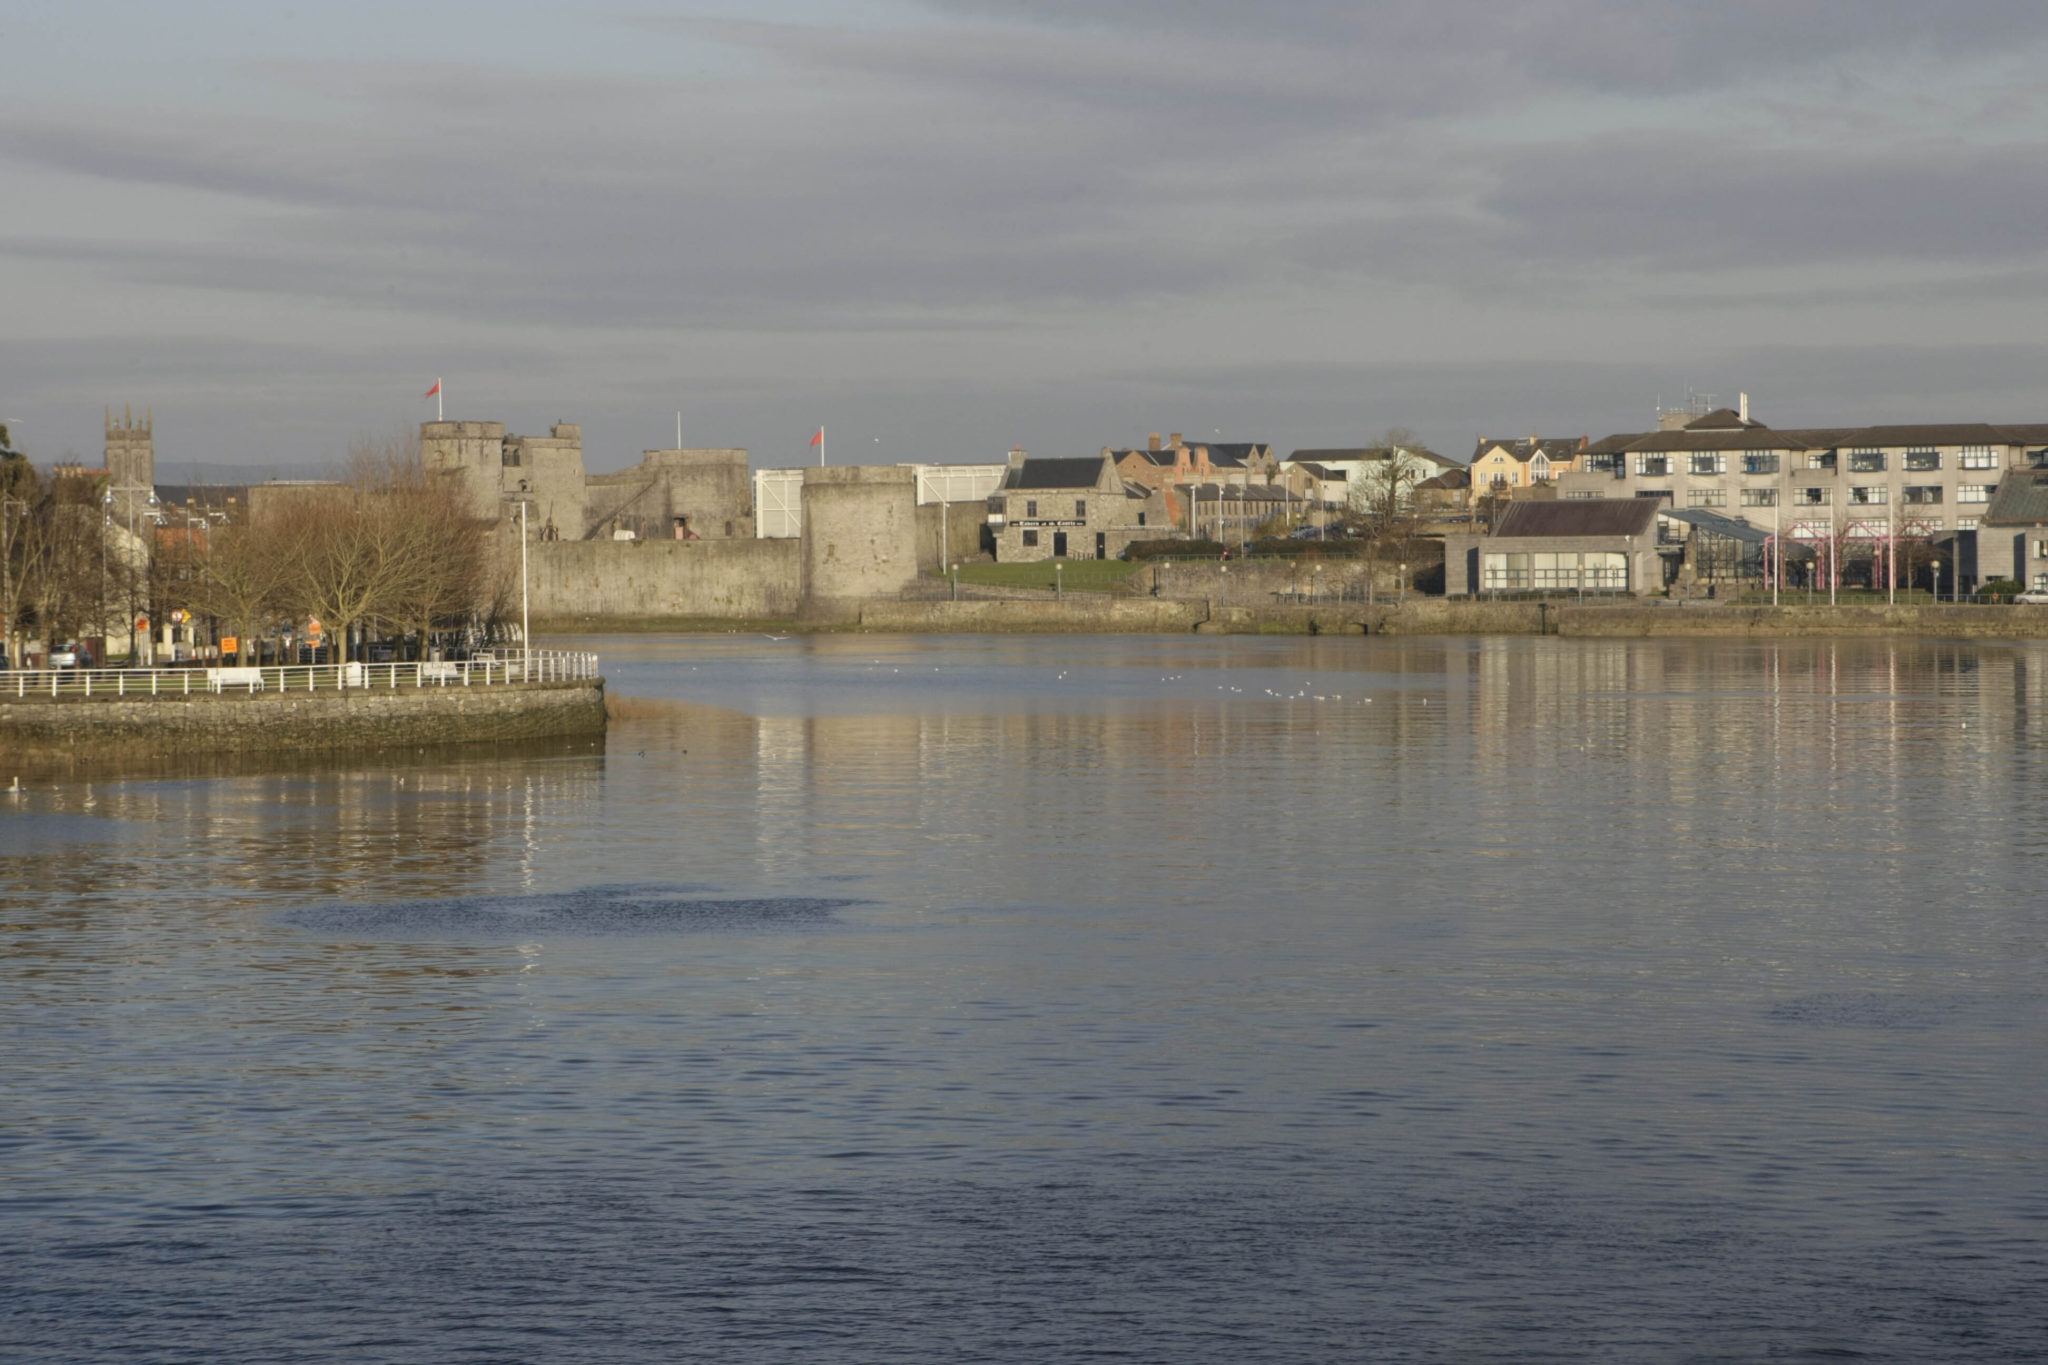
(2014, 540)
(2021, 500)
(1597, 545)
(1599, 517)
(1078, 471)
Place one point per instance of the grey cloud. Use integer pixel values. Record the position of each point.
(1071, 175)
(1548, 44)
(1697, 202)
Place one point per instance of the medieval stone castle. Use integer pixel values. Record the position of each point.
(673, 536)
(670, 495)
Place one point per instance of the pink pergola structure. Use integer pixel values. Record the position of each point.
(1830, 542)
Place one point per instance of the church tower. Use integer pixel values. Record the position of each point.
(131, 458)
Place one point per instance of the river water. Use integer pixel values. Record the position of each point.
(1037, 999)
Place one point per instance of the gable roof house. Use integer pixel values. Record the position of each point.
(1350, 474)
(1066, 508)
(1500, 466)
(1172, 463)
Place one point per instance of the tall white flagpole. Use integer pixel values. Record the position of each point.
(821, 447)
(440, 397)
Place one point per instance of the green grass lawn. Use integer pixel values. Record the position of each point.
(1076, 575)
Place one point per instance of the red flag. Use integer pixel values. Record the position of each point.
(819, 439)
(431, 392)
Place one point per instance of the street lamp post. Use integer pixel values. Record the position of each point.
(525, 611)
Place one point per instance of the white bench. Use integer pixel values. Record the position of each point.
(219, 678)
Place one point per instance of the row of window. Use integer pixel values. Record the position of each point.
(1031, 507)
(1867, 496)
(1866, 461)
(1537, 570)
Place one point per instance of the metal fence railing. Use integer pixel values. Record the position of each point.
(502, 668)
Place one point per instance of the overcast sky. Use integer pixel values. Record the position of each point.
(945, 227)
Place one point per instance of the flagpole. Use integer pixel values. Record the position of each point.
(440, 414)
(821, 447)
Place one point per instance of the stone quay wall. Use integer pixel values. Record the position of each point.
(359, 719)
(1961, 621)
(1076, 614)
(740, 579)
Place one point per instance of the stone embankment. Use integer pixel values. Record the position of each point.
(1087, 613)
(301, 710)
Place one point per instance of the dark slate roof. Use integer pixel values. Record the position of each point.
(1748, 438)
(2021, 500)
(1758, 437)
(1237, 451)
(1080, 471)
(1523, 449)
(1158, 457)
(1321, 471)
(1450, 478)
(1721, 419)
(1580, 517)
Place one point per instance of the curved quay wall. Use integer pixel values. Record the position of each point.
(246, 713)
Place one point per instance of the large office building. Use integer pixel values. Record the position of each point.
(1856, 483)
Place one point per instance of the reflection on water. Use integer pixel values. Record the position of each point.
(1209, 999)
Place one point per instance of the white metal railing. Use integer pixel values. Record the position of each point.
(512, 667)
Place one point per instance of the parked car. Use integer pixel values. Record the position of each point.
(66, 657)
(2037, 598)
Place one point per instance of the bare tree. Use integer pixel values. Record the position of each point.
(1384, 491)
(1383, 496)
(243, 569)
(390, 547)
(21, 491)
(64, 557)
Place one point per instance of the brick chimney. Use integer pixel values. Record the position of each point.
(1016, 456)
(1174, 440)
(1152, 441)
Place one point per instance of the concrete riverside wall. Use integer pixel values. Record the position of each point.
(736, 579)
(1964, 622)
(1435, 616)
(860, 537)
(300, 721)
(1079, 614)
(1253, 583)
